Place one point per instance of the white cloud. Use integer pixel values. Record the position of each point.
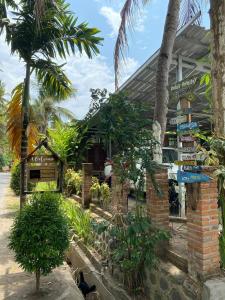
(12, 69)
(112, 17)
(94, 73)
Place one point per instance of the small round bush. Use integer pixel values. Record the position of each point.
(15, 178)
(40, 235)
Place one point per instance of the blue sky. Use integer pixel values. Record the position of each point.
(98, 72)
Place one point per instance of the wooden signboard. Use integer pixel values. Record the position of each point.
(44, 168)
(192, 168)
(187, 149)
(42, 159)
(184, 111)
(184, 84)
(188, 177)
(185, 163)
(188, 156)
(178, 120)
(42, 173)
(184, 138)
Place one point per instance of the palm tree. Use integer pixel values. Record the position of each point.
(46, 110)
(58, 36)
(217, 14)
(2, 110)
(131, 7)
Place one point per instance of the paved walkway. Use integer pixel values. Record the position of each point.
(15, 284)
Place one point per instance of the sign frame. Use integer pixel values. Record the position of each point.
(45, 168)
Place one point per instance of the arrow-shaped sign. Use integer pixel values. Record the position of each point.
(192, 168)
(187, 149)
(188, 138)
(187, 126)
(185, 163)
(189, 156)
(185, 111)
(178, 120)
(188, 177)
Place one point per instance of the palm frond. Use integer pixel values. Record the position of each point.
(130, 9)
(64, 113)
(14, 123)
(53, 79)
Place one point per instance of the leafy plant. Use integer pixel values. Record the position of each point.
(79, 220)
(15, 178)
(100, 191)
(40, 235)
(60, 137)
(105, 194)
(135, 247)
(73, 182)
(95, 188)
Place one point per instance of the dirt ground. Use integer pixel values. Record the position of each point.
(15, 284)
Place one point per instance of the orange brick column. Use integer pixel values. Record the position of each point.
(119, 195)
(87, 182)
(202, 231)
(158, 205)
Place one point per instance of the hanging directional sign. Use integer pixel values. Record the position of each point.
(185, 163)
(189, 156)
(178, 120)
(186, 83)
(187, 126)
(184, 111)
(188, 177)
(192, 168)
(187, 149)
(188, 138)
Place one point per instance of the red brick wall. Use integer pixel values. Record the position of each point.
(158, 206)
(202, 231)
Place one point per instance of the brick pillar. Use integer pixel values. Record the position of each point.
(87, 182)
(158, 206)
(119, 195)
(202, 230)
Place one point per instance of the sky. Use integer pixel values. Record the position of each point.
(98, 72)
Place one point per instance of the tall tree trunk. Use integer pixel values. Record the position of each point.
(217, 13)
(162, 76)
(24, 138)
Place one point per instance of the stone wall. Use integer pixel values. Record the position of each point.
(167, 282)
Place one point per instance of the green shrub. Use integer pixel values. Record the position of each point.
(100, 191)
(40, 235)
(73, 182)
(135, 242)
(15, 178)
(222, 249)
(79, 220)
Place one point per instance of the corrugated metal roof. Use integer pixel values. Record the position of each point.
(192, 44)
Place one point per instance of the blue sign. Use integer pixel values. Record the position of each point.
(188, 177)
(187, 126)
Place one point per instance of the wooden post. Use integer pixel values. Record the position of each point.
(119, 195)
(87, 182)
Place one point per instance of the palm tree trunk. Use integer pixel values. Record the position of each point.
(165, 58)
(217, 14)
(24, 139)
